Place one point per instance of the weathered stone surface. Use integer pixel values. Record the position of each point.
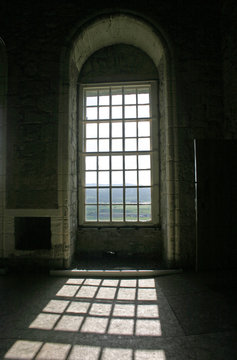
(41, 133)
(118, 63)
(124, 242)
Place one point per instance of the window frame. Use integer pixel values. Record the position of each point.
(154, 138)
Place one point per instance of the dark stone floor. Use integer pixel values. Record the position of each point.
(110, 260)
(177, 317)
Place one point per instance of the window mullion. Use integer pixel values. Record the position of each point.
(97, 159)
(123, 134)
(110, 148)
(137, 156)
(97, 185)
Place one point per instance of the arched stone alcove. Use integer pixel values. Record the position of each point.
(98, 34)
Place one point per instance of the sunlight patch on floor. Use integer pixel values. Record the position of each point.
(29, 350)
(118, 308)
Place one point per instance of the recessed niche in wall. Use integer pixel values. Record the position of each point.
(32, 233)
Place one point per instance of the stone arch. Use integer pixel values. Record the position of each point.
(118, 63)
(98, 34)
(3, 91)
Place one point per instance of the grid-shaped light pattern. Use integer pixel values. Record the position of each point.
(123, 307)
(126, 311)
(117, 154)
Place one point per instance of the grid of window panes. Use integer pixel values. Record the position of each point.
(117, 154)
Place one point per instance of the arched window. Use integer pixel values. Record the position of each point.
(118, 137)
(98, 79)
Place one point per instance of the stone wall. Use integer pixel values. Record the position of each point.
(229, 56)
(42, 173)
(123, 242)
(3, 91)
(32, 130)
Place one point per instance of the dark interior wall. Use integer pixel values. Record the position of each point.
(216, 163)
(229, 56)
(195, 33)
(216, 204)
(33, 80)
(35, 34)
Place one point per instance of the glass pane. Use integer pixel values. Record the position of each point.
(103, 178)
(130, 112)
(143, 99)
(131, 212)
(117, 97)
(91, 100)
(130, 162)
(91, 213)
(91, 130)
(104, 97)
(103, 145)
(145, 195)
(91, 113)
(144, 161)
(117, 130)
(117, 112)
(104, 112)
(117, 195)
(144, 177)
(91, 196)
(143, 111)
(144, 144)
(91, 178)
(143, 128)
(104, 213)
(91, 163)
(145, 212)
(104, 130)
(130, 98)
(91, 92)
(130, 144)
(116, 92)
(130, 129)
(131, 195)
(117, 178)
(91, 145)
(117, 162)
(103, 162)
(117, 212)
(104, 196)
(130, 178)
(104, 91)
(143, 96)
(117, 145)
(129, 90)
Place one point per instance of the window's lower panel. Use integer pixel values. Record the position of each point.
(137, 207)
